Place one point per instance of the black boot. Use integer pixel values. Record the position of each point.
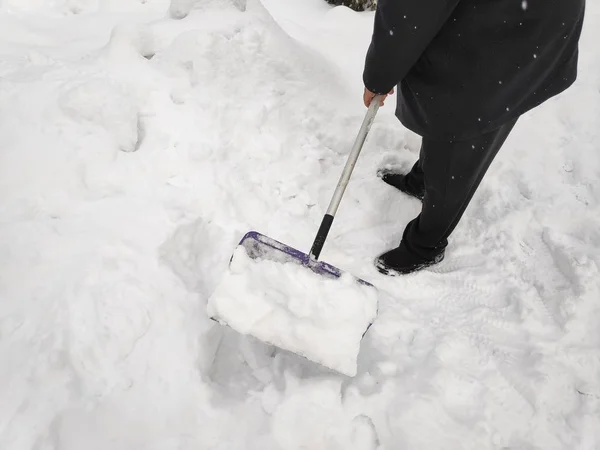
(401, 182)
(400, 261)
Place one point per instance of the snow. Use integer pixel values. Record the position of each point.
(294, 308)
(135, 151)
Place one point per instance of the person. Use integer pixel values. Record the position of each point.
(465, 71)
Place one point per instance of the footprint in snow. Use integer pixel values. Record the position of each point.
(364, 434)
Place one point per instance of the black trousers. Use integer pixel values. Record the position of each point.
(450, 173)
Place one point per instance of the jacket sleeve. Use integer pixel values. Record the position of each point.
(402, 31)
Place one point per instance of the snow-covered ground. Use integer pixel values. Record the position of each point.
(135, 150)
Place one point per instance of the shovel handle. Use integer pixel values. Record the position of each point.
(344, 179)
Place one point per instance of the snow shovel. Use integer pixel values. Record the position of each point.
(321, 313)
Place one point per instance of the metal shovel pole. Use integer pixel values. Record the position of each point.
(344, 179)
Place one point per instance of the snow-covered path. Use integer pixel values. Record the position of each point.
(135, 150)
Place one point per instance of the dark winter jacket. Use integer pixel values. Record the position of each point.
(465, 67)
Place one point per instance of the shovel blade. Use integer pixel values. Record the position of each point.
(320, 315)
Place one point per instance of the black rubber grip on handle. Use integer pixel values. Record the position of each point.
(315, 251)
